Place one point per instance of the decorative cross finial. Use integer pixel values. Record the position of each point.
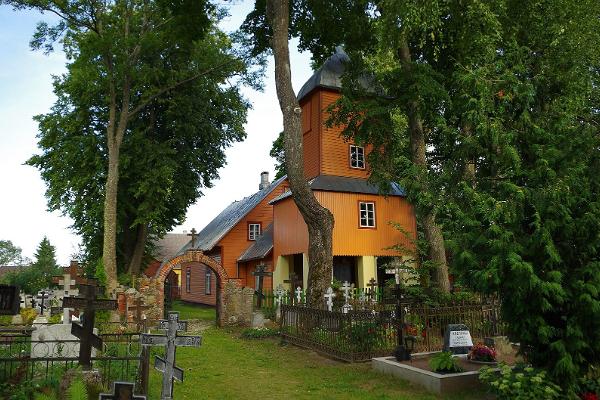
(346, 288)
(279, 293)
(329, 295)
(299, 294)
(121, 391)
(193, 234)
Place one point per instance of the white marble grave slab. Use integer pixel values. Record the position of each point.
(55, 341)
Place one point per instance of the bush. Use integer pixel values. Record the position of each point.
(444, 362)
(28, 315)
(5, 319)
(521, 383)
(481, 352)
(259, 333)
(54, 319)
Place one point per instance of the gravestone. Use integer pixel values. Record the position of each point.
(347, 288)
(457, 339)
(329, 295)
(170, 341)
(121, 391)
(279, 293)
(10, 300)
(298, 295)
(67, 289)
(52, 341)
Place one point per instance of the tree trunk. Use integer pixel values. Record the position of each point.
(432, 231)
(138, 250)
(318, 219)
(109, 249)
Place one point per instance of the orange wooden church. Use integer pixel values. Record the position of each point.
(267, 228)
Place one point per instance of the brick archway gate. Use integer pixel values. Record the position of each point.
(195, 256)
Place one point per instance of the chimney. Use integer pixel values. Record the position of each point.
(264, 180)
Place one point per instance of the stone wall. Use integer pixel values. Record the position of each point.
(237, 307)
(151, 291)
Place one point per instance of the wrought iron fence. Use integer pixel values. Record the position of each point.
(25, 360)
(362, 335)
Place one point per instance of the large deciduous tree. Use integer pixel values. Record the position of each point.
(11, 254)
(147, 98)
(319, 220)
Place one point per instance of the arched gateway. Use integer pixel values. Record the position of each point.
(197, 257)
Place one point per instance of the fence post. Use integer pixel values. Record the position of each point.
(144, 369)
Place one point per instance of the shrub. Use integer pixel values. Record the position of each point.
(28, 315)
(520, 383)
(77, 390)
(54, 319)
(444, 362)
(481, 352)
(366, 335)
(259, 333)
(5, 319)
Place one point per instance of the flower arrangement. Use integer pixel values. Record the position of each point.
(481, 352)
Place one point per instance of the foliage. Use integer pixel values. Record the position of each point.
(588, 387)
(28, 315)
(259, 333)
(444, 362)
(77, 390)
(54, 319)
(365, 336)
(520, 382)
(38, 275)
(481, 352)
(278, 154)
(11, 254)
(5, 319)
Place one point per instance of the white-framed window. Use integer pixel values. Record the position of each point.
(253, 231)
(366, 214)
(188, 279)
(207, 281)
(357, 157)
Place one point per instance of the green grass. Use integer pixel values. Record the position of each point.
(194, 311)
(227, 367)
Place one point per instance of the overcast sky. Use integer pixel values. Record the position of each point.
(26, 90)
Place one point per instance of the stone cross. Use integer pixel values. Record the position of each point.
(346, 288)
(261, 272)
(193, 234)
(121, 391)
(171, 341)
(329, 295)
(89, 304)
(279, 293)
(139, 307)
(67, 291)
(298, 295)
(372, 292)
(294, 282)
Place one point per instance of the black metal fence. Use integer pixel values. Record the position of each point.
(43, 361)
(362, 335)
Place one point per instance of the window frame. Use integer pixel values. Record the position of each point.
(358, 160)
(188, 279)
(257, 235)
(208, 281)
(360, 224)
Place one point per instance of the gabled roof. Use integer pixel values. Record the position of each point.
(169, 245)
(5, 269)
(228, 218)
(344, 184)
(261, 246)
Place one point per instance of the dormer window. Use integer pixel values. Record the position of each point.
(357, 157)
(253, 231)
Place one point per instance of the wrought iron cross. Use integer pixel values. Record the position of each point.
(294, 282)
(329, 295)
(372, 292)
(346, 288)
(279, 293)
(193, 234)
(89, 304)
(298, 295)
(121, 391)
(171, 341)
(42, 297)
(260, 272)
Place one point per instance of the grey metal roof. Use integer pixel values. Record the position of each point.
(228, 218)
(261, 246)
(329, 75)
(169, 245)
(344, 184)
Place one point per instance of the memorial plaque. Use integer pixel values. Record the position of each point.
(10, 300)
(457, 339)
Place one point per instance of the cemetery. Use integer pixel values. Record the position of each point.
(415, 213)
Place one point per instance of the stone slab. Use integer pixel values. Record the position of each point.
(55, 341)
(433, 382)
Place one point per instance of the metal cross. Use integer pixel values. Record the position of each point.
(298, 295)
(329, 295)
(42, 297)
(121, 391)
(346, 288)
(293, 281)
(171, 341)
(372, 293)
(89, 304)
(193, 234)
(261, 272)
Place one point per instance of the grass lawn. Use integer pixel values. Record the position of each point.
(228, 367)
(194, 311)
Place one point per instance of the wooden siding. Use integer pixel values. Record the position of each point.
(197, 293)
(336, 150)
(291, 235)
(311, 135)
(235, 242)
(250, 267)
